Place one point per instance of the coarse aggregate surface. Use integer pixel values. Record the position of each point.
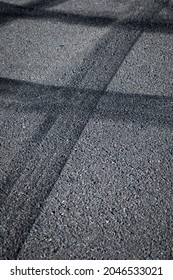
(86, 129)
(148, 68)
(113, 199)
(44, 52)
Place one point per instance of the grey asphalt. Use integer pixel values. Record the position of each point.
(86, 94)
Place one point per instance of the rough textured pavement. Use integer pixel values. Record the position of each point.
(86, 94)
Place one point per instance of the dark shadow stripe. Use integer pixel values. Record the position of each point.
(163, 26)
(24, 91)
(26, 200)
(157, 25)
(146, 23)
(19, 12)
(31, 187)
(96, 71)
(142, 109)
(43, 169)
(123, 159)
(104, 60)
(52, 105)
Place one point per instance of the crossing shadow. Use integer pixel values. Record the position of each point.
(36, 10)
(43, 151)
(41, 155)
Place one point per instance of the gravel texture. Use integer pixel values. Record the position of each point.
(86, 173)
(44, 52)
(148, 68)
(113, 199)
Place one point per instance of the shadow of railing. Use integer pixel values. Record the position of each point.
(66, 111)
(11, 12)
(72, 107)
(37, 11)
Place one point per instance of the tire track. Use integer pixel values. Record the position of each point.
(38, 167)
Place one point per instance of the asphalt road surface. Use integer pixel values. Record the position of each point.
(86, 94)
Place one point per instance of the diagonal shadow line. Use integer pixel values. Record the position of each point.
(72, 116)
(50, 100)
(28, 93)
(20, 231)
(70, 18)
(92, 68)
(150, 26)
(108, 67)
(11, 11)
(111, 53)
(30, 10)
